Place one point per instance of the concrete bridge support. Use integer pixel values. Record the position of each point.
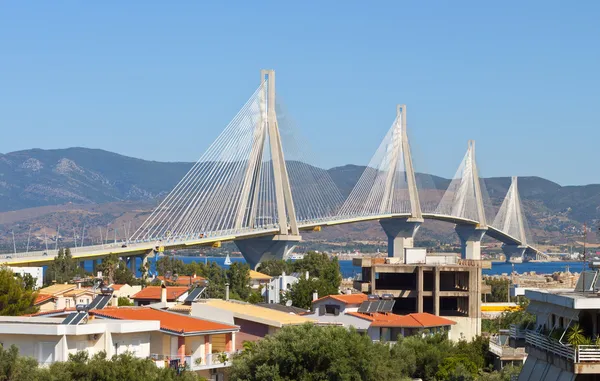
(470, 240)
(511, 251)
(400, 234)
(131, 264)
(257, 250)
(94, 267)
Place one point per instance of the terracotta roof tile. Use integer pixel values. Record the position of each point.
(41, 298)
(154, 293)
(117, 287)
(57, 289)
(415, 320)
(169, 321)
(345, 298)
(184, 280)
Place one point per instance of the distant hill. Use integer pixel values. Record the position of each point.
(36, 178)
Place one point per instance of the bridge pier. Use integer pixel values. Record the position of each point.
(400, 234)
(94, 267)
(131, 264)
(513, 251)
(257, 250)
(470, 241)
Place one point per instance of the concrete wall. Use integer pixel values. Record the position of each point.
(252, 328)
(345, 320)
(29, 345)
(466, 328)
(329, 301)
(136, 343)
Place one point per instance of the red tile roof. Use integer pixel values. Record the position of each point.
(346, 299)
(169, 321)
(54, 312)
(154, 292)
(117, 287)
(415, 320)
(41, 298)
(184, 280)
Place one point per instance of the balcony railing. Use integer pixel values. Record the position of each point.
(580, 354)
(209, 361)
(505, 351)
(515, 332)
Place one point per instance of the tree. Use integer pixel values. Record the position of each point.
(15, 298)
(80, 367)
(274, 267)
(29, 282)
(64, 268)
(108, 267)
(174, 265)
(124, 302)
(301, 292)
(457, 368)
(310, 352)
(238, 276)
(499, 289)
(319, 265)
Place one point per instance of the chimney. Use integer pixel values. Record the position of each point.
(114, 300)
(78, 285)
(315, 295)
(163, 293)
(307, 275)
(194, 276)
(226, 291)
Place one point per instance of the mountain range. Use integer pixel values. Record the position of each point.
(34, 181)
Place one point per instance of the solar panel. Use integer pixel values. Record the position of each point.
(586, 281)
(70, 318)
(194, 295)
(363, 307)
(78, 319)
(387, 306)
(102, 301)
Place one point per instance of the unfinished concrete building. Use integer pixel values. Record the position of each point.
(443, 285)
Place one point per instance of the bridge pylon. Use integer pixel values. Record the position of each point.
(258, 249)
(464, 200)
(511, 220)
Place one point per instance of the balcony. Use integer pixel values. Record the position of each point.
(505, 351)
(516, 332)
(579, 354)
(209, 361)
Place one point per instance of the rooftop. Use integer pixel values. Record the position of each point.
(255, 275)
(345, 298)
(184, 280)
(415, 320)
(255, 313)
(57, 289)
(568, 298)
(169, 321)
(282, 308)
(41, 298)
(154, 293)
(78, 291)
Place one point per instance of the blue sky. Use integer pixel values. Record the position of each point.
(159, 80)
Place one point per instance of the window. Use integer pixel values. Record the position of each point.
(332, 309)
(67, 303)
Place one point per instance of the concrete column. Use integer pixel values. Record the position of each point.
(181, 348)
(208, 349)
(229, 342)
(64, 350)
(373, 280)
(95, 267)
(256, 250)
(513, 251)
(470, 239)
(400, 233)
(132, 265)
(436, 291)
(419, 288)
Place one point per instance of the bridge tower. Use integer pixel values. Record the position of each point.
(464, 200)
(511, 220)
(259, 249)
(400, 231)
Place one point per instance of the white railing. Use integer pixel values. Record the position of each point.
(583, 353)
(588, 353)
(550, 345)
(516, 332)
(209, 361)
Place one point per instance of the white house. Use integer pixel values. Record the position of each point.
(36, 272)
(48, 340)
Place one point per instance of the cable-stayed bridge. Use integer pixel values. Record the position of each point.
(253, 186)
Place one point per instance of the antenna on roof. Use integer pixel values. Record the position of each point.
(288, 303)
